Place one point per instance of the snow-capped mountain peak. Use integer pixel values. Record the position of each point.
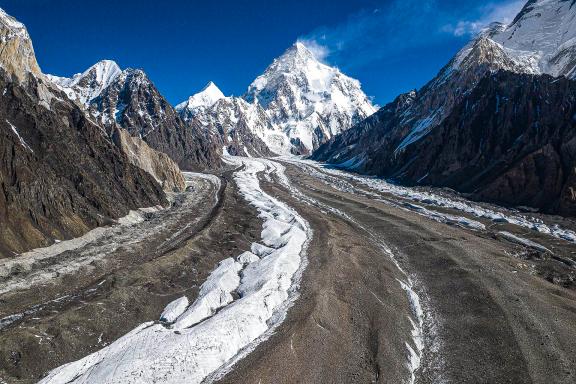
(299, 51)
(547, 28)
(207, 97)
(307, 100)
(89, 84)
(296, 63)
(12, 23)
(540, 40)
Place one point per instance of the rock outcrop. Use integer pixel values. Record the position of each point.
(164, 170)
(129, 99)
(238, 125)
(16, 51)
(60, 174)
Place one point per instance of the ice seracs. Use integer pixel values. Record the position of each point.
(218, 328)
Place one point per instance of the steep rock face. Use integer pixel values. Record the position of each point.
(133, 102)
(16, 51)
(164, 170)
(492, 123)
(510, 141)
(59, 174)
(240, 126)
(129, 99)
(307, 101)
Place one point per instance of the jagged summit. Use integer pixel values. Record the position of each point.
(294, 106)
(307, 101)
(540, 40)
(296, 62)
(12, 23)
(89, 84)
(207, 97)
(60, 175)
(130, 100)
(17, 54)
(545, 31)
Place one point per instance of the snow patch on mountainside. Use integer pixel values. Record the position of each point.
(22, 141)
(540, 40)
(86, 86)
(238, 123)
(206, 98)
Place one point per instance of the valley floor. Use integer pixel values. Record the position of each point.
(399, 286)
(489, 313)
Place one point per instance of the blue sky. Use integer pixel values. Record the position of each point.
(391, 46)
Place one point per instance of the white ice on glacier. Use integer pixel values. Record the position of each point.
(174, 309)
(434, 199)
(214, 294)
(265, 280)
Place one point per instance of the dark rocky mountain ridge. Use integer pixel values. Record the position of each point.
(59, 174)
(490, 125)
(130, 100)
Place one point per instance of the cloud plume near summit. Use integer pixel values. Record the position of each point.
(399, 26)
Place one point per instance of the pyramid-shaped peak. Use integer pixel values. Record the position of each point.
(300, 47)
(104, 71)
(212, 89)
(207, 97)
(298, 51)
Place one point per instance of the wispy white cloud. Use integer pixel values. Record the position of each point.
(492, 12)
(319, 51)
(369, 34)
(400, 27)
